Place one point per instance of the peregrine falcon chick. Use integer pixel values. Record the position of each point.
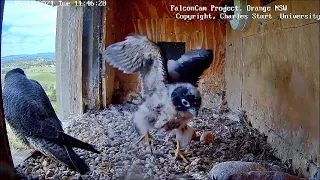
(171, 98)
(29, 112)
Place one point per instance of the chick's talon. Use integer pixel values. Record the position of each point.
(178, 153)
(147, 137)
(188, 152)
(183, 152)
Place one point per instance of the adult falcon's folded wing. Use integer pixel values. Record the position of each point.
(30, 114)
(190, 66)
(138, 54)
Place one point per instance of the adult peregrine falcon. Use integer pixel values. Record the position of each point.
(29, 112)
(171, 98)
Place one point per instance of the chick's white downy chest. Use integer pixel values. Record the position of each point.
(170, 118)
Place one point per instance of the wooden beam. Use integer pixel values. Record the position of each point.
(78, 46)
(280, 59)
(103, 64)
(6, 164)
(69, 61)
(91, 58)
(108, 72)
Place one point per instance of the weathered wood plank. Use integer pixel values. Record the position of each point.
(91, 60)
(302, 7)
(103, 64)
(234, 68)
(139, 9)
(214, 76)
(286, 93)
(279, 67)
(108, 74)
(69, 61)
(259, 26)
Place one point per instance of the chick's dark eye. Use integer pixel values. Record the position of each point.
(185, 102)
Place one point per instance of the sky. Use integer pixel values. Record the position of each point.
(29, 27)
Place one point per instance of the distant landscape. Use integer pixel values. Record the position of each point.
(28, 57)
(40, 67)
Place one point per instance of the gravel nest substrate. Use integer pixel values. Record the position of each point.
(111, 132)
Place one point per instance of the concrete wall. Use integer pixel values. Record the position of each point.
(272, 71)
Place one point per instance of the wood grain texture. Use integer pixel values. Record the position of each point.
(155, 20)
(108, 72)
(234, 68)
(286, 86)
(140, 9)
(91, 61)
(104, 77)
(69, 61)
(278, 62)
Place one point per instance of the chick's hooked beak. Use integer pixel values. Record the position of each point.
(194, 111)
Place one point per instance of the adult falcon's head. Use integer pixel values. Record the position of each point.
(186, 98)
(14, 71)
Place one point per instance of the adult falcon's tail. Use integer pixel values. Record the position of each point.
(75, 162)
(70, 141)
(60, 152)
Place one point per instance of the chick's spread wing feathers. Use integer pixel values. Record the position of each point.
(138, 54)
(190, 66)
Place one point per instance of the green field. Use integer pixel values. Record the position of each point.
(42, 71)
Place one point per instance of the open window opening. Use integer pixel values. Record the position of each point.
(28, 42)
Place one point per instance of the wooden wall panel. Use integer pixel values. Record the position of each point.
(302, 7)
(155, 20)
(91, 62)
(109, 36)
(286, 88)
(265, 25)
(234, 68)
(141, 9)
(272, 72)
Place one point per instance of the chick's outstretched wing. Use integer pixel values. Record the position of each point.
(138, 54)
(190, 66)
